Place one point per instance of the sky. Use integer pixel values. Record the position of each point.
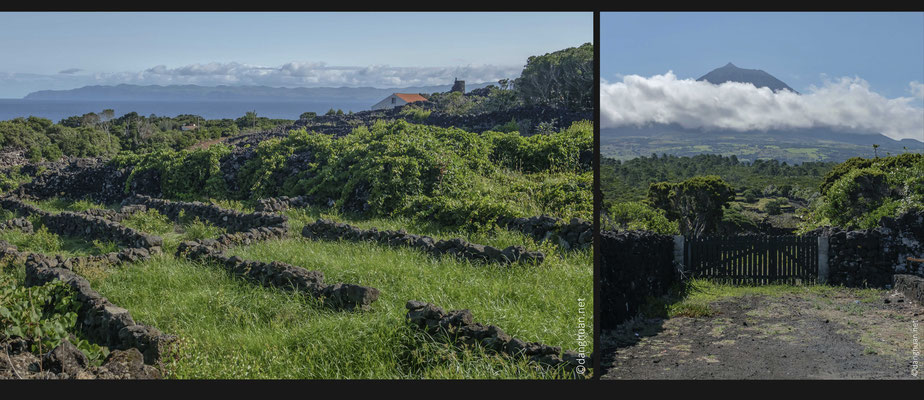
(862, 72)
(67, 50)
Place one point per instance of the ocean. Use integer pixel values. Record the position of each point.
(56, 110)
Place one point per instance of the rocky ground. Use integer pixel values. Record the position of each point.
(67, 362)
(837, 334)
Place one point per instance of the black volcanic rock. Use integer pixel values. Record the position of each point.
(731, 73)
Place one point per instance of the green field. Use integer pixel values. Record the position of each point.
(231, 328)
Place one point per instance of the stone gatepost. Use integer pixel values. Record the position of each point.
(823, 260)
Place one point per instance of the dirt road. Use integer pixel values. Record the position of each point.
(836, 334)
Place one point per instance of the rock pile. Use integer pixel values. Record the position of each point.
(576, 234)
(910, 285)
(330, 230)
(66, 361)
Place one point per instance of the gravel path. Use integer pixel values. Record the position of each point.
(810, 336)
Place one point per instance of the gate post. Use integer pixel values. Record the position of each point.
(678, 249)
(822, 260)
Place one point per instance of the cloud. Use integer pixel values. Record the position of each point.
(845, 103)
(917, 89)
(292, 74)
(309, 74)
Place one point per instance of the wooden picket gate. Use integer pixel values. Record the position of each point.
(753, 259)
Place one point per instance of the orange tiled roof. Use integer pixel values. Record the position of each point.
(410, 98)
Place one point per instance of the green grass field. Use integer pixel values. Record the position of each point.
(232, 328)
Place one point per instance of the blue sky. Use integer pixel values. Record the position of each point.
(884, 49)
(58, 50)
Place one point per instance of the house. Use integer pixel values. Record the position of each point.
(398, 99)
(190, 127)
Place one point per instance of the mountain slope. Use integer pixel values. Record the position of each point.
(731, 73)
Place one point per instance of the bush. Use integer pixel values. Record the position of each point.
(150, 221)
(639, 216)
(42, 315)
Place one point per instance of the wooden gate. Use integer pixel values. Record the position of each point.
(753, 259)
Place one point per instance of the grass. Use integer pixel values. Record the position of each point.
(500, 238)
(230, 328)
(236, 329)
(45, 242)
(693, 299)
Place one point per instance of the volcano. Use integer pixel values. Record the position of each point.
(756, 77)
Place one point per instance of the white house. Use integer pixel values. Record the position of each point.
(398, 99)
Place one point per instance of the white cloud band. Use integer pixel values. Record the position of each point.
(847, 103)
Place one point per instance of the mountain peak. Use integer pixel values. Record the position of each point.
(731, 73)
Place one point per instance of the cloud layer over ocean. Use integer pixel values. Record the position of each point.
(846, 103)
(293, 74)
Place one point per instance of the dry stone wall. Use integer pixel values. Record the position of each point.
(459, 326)
(100, 320)
(869, 258)
(341, 296)
(635, 265)
(576, 234)
(330, 230)
(232, 221)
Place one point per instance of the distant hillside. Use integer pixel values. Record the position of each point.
(731, 73)
(125, 92)
(798, 145)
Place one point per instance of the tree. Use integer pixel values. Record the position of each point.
(697, 203)
(308, 115)
(564, 78)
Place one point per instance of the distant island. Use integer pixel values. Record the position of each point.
(126, 92)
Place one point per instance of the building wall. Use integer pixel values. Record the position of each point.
(387, 104)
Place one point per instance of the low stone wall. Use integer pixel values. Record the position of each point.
(869, 258)
(21, 224)
(341, 296)
(231, 220)
(911, 286)
(330, 230)
(282, 203)
(459, 326)
(101, 321)
(576, 234)
(137, 245)
(635, 265)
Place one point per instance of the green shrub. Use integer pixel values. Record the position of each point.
(639, 216)
(150, 221)
(42, 315)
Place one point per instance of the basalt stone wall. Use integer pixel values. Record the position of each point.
(576, 234)
(911, 286)
(231, 220)
(459, 326)
(21, 224)
(282, 203)
(869, 258)
(102, 322)
(341, 296)
(634, 266)
(87, 226)
(330, 230)
(87, 178)
(558, 118)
